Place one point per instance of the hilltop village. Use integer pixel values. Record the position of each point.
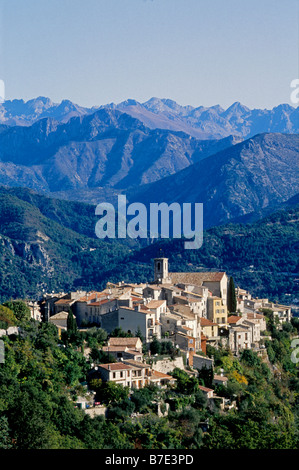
(188, 310)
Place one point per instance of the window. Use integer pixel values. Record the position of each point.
(121, 374)
(114, 375)
(159, 266)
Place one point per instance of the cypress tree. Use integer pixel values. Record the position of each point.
(71, 323)
(231, 298)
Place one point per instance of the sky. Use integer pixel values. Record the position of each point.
(196, 52)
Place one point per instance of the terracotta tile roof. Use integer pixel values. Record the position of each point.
(123, 341)
(115, 366)
(64, 301)
(205, 322)
(155, 303)
(115, 348)
(220, 377)
(91, 295)
(134, 364)
(100, 302)
(60, 316)
(196, 278)
(233, 319)
(252, 316)
(159, 375)
(205, 389)
(133, 352)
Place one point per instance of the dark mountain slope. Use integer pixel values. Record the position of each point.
(257, 173)
(105, 149)
(49, 245)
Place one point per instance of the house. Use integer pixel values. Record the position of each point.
(234, 320)
(131, 343)
(35, 310)
(216, 282)
(203, 343)
(210, 330)
(60, 321)
(123, 352)
(216, 310)
(130, 319)
(188, 344)
(209, 392)
(116, 372)
(153, 291)
(239, 338)
(67, 301)
(160, 379)
(139, 373)
(90, 308)
(257, 318)
(251, 326)
(133, 374)
(282, 312)
(157, 307)
(202, 361)
(220, 380)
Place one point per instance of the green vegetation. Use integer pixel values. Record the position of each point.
(231, 296)
(47, 244)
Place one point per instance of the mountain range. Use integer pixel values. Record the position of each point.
(241, 164)
(202, 122)
(95, 157)
(105, 149)
(248, 177)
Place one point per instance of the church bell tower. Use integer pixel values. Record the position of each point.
(161, 271)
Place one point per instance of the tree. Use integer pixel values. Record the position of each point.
(118, 332)
(99, 356)
(138, 334)
(155, 346)
(7, 317)
(19, 308)
(71, 323)
(111, 392)
(184, 383)
(206, 375)
(5, 440)
(231, 297)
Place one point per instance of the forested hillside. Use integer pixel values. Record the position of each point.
(47, 244)
(43, 376)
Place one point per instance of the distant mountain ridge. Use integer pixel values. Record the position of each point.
(105, 149)
(201, 122)
(246, 178)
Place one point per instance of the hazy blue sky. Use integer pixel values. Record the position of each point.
(197, 52)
